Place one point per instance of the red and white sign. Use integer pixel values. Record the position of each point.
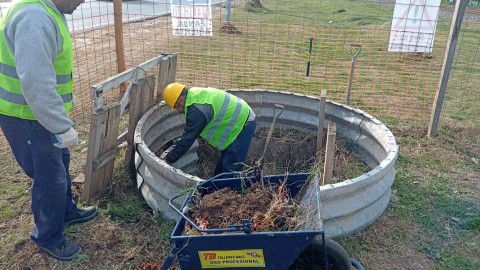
(413, 25)
(191, 18)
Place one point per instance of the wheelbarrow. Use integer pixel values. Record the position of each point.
(237, 247)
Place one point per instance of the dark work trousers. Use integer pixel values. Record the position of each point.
(47, 165)
(234, 156)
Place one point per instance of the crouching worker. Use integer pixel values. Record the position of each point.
(225, 121)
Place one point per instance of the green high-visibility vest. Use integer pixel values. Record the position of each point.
(12, 102)
(229, 115)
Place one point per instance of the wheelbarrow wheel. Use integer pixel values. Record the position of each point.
(312, 258)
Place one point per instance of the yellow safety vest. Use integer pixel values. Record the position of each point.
(12, 102)
(229, 115)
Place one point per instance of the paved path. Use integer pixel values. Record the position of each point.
(94, 14)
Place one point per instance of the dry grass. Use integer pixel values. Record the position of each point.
(438, 179)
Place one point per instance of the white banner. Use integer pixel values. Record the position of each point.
(191, 17)
(413, 25)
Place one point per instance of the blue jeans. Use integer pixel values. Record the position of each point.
(234, 156)
(32, 146)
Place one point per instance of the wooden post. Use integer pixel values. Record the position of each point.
(141, 100)
(329, 153)
(119, 47)
(102, 138)
(321, 119)
(447, 66)
(166, 74)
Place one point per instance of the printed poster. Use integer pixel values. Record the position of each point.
(191, 17)
(413, 25)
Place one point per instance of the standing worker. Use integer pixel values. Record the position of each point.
(36, 96)
(225, 121)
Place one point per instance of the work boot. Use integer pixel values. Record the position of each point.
(66, 250)
(82, 215)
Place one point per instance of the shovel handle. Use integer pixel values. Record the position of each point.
(270, 133)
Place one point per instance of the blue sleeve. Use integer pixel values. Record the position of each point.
(195, 123)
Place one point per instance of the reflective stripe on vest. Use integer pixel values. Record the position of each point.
(12, 101)
(10, 71)
(229, 115)
(18, 98)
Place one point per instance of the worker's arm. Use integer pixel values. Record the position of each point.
(195, 123)
(34, 39)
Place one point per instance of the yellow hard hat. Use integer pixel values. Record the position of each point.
(171, 93)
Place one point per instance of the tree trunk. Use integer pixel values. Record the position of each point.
(256, 3)
(253, 5)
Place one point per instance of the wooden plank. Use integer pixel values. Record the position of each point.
(321, 119)
(110, 142)
(122, 137)
(166, 75)
(119, 47)
(112, 82)
(142, 99)
(102, 137)
(447, 66)
(330, 153)
(107, 156)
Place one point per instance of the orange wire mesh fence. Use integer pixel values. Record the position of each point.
(268, 47)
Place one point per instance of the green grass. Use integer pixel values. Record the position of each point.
(17, 193)
(464, 254)
(432, 207)
(128, 211)
(390, 121)
(434, 219)
(272, 52)
(473, 224)
(317, 13)
(13, 191)
(437, 217)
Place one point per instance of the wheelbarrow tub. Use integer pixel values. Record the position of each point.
(269, 250)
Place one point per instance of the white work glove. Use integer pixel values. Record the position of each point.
(66, 139)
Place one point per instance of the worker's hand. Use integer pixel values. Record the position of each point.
(66, 139)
